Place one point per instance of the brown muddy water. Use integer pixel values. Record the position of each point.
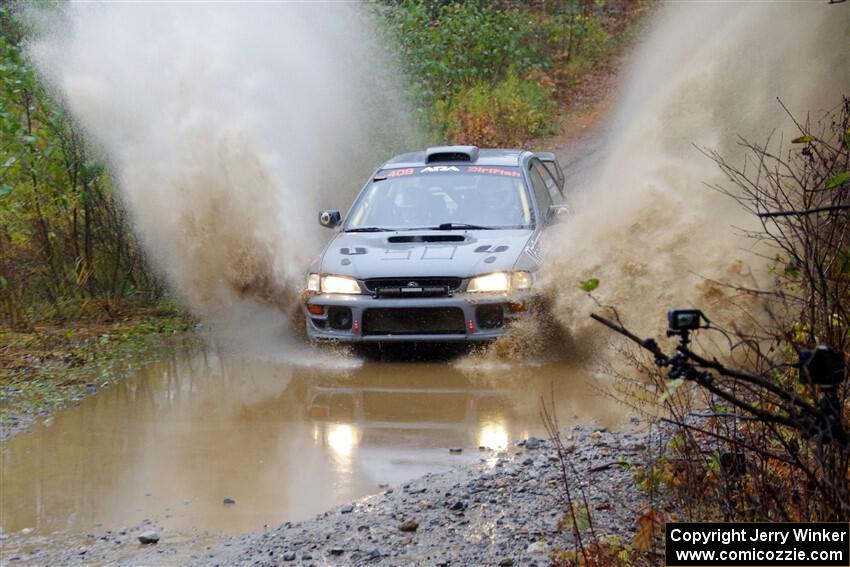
(284, 441)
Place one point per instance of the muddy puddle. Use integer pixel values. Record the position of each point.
(284, 442)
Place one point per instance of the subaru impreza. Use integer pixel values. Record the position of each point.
(440, 245)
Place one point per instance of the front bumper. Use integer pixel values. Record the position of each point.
(374, 319)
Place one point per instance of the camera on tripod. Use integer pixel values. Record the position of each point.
(682, 320)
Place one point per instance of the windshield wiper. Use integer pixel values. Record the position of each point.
(460, 225)
(369, 229)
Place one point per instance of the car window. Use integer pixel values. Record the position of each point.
(557, 174)
(424, 197)
(538, 184)
(549, 179)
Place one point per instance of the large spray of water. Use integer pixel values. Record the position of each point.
(227, 126)
(647, 226)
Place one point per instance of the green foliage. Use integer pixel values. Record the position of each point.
(792, 271)
(589, 285)
(837, 180)
(488, 72)
(65, 247)
(446, 46)
(657, 477)
(505, 114)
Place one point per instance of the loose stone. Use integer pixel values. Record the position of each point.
(409, 526)
(148, 537)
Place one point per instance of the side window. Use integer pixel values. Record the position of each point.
(541, 191)
(549, 179)
(554, 169)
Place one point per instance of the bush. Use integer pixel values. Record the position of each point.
(488, 72)
(65, 244)
(504, 115)
(445, 47)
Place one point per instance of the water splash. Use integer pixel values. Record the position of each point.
(227, 127)
(647, 226)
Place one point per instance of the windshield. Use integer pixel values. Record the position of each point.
(428, 197)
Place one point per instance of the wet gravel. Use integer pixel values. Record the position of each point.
(503, 510)
(14, 423)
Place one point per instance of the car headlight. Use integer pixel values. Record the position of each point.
(500, 282)
(339, 284)
(521, 281)
(314, 282)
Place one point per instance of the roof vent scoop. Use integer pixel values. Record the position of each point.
(441, 154)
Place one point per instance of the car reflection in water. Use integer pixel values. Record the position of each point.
(284, 441)
(394, 421)
(373, 408)
(404, 417)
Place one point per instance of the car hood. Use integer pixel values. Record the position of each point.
(454, 253)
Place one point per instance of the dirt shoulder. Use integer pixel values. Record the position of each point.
(52, 366)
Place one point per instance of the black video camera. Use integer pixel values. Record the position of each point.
(679, 320)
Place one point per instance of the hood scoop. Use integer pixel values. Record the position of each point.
(426, 238)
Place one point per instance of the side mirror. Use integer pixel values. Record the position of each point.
(330, 218)
(558, 213)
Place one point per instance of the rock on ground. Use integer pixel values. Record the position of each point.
(147, 537)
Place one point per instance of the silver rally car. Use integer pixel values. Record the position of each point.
(439, 246)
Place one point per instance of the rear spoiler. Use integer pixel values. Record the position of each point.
(551, 163)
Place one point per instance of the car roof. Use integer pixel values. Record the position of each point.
(488, 157)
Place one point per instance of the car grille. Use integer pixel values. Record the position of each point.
(412, 287)
(414, 321)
